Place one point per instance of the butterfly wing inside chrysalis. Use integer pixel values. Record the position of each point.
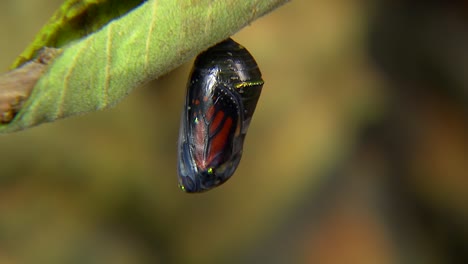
(222, 94)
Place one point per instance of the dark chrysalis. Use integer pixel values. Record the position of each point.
(222, 94)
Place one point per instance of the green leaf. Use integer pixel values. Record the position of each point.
(99, 70)
(74, 20)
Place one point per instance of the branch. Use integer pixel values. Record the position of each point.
(99, 70)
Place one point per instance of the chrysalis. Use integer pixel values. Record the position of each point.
(222, 94)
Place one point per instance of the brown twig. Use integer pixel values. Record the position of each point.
(16, 85)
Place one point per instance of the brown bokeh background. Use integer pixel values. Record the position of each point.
(357, 153)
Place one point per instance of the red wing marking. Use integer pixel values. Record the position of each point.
(210, 134)
(210, 112)
(216, 122)
(219, 140)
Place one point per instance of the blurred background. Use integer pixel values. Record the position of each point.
(357, 153)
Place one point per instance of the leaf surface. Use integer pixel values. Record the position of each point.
(99, 70)
(74, 20)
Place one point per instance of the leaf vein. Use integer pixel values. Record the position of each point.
(107, 76)
(149, 35)
(66, 83)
